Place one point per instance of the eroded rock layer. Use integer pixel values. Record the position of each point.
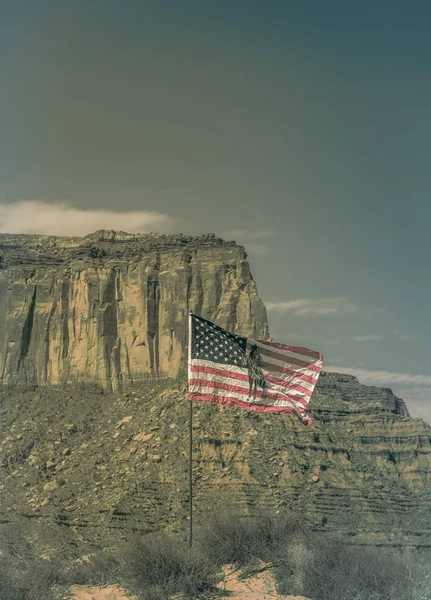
(112, 307)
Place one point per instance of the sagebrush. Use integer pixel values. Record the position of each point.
(160, 566)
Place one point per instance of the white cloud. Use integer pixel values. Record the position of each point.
(252, 241)
(418, 401)
(365, 338)
(382, 377)
(418, 394)
(308, 306)
(371, 313)
(39, 217)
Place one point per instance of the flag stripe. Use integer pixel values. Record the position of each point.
(209, 389)
(290, 362)
(288, 369)
(230, 385)
(284, 348)
(210, 373)
(287, 352)
(293, 377)
(282, 376)
(242, 374)
(229, 400)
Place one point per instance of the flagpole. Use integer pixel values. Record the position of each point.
(190, 438)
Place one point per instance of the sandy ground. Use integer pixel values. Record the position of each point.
(87, 592)
(258, 587)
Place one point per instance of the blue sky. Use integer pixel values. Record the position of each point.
(300, 129)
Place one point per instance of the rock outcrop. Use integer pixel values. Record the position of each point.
(112, 307)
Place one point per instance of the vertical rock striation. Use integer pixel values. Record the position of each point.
(112, 307)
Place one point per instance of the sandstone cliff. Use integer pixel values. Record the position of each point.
(111, 307)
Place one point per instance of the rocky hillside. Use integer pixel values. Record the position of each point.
(112, 307)
(82, 466)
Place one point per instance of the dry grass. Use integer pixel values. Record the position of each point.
(154, 567)
(158, 566)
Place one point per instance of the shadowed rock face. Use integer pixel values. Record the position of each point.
(111, 307)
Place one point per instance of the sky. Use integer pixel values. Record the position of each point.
(299, 129)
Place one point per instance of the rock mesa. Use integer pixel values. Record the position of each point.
(112, 307)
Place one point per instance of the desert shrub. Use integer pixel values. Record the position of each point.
(332, 570)
(103, 568)
(34, 581)
(9, 587)
(156, 566)
(96, 252)
(233, 539)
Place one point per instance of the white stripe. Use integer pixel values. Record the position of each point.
(244, 397)
(290, 379)
(239, 383)
(215, 365)
(303, 357)
(287, 365)
(234, 369)
(286, 389)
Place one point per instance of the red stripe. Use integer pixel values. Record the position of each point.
(222, 372)
(287, 385)
(244, 376)
(279, 369)
(301, 376)
(296, 349)
(286, 359)
(240, 390)
(229, 401)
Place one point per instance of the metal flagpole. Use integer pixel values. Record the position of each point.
(190, 437)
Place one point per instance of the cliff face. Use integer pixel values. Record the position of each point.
(112, 307)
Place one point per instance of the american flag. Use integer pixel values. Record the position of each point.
(261, 375)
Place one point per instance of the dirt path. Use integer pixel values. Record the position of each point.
(87, 592)
(260, 586)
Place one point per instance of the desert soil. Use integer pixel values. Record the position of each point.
(258, 587)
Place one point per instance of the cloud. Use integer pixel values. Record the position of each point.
(252, 241)
(307, 307)
(39, 217)
(371, 313)
(365, 338)
(418, 400)
(331, 342)
(382, 377)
